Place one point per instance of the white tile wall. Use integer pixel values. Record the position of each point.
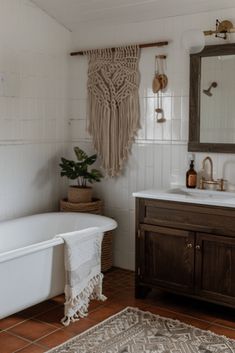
(33, 108)
(159, 156)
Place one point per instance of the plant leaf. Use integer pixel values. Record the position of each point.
(90, 160)
(80, 154)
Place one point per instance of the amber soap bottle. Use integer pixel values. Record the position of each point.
(191, 176)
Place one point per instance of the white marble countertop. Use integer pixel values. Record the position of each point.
(194, 196)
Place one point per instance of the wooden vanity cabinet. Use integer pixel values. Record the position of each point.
(187, 249)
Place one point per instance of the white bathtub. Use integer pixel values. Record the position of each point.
(31, 259)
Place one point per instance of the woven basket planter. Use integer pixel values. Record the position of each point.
(106, 255)
(94, 207)
(79, 194)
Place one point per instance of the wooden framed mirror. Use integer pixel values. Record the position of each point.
(212, 100)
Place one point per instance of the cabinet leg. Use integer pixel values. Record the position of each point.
(141, 291)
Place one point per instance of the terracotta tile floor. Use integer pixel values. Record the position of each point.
(37, 329)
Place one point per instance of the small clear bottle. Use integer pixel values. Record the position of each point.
(191, 176)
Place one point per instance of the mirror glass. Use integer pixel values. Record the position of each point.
(217, 99)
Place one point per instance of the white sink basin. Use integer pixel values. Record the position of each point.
(182, 194)
(202, 194)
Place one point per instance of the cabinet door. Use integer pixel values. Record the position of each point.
(215, 267)
(167, 257)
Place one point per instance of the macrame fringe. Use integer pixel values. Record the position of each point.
(81, 302)
(113, 140)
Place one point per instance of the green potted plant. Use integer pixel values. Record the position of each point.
(79, 170)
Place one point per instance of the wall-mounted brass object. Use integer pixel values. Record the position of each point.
(221, 29)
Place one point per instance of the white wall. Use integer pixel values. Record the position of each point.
(159, 156)
(33, 108)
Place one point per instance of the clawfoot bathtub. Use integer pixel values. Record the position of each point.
(31, 258)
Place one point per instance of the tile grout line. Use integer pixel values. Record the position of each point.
(20, 337)
(34, 341)
(44, 346)
(28, 319)
(10, 327)
(20, 349)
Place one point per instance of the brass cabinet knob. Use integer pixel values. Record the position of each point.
(189, 246)
(198, 247)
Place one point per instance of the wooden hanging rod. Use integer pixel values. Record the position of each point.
(142, 46)
(160, 56)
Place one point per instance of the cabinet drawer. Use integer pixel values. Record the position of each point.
(188, 217)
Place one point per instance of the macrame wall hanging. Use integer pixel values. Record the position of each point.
(113, 104)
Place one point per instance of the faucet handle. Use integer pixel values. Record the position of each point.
(201, 183)
(222, 183)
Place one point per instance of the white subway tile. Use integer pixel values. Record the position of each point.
(176, 129)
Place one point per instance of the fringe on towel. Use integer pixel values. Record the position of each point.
(79, 304)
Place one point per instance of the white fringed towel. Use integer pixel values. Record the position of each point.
(83, 277)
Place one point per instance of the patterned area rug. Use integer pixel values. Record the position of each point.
(136, 331)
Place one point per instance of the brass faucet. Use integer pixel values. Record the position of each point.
(220, 183)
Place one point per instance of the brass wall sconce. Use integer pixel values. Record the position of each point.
(222, 29)
(193, 40)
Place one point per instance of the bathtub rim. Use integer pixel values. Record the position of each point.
(43, 245)
(30, 249)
